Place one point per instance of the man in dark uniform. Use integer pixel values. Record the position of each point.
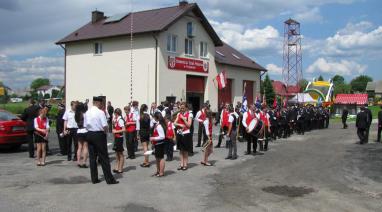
(327, 117)
(60, 130)
(28, 116)
(370, 119)
(362, 124)
(97, 126)
(379, 125)
(274, 124)
(344, 117)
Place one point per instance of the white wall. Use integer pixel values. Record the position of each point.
(173, 82)
(108, 74)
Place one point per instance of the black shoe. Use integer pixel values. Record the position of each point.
(31, 156)
(234, 158)
(132, 157)
(228, 157)
(197, 146)
(97, 181)
(113, 182)
(247, 153)
(69, 159)
(217, 146)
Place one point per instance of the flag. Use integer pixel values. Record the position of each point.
(285, 103)
(257, 102)
(222, 80)
(244, 105)
(275, 103)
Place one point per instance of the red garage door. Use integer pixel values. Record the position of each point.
(248, 86)
(195, 84)
(225, 95)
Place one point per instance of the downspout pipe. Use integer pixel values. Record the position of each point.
(156, 68)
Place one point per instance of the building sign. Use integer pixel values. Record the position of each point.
(187, 64)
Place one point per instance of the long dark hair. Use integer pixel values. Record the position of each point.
(159, 118)
(143, 109)
(79, 114)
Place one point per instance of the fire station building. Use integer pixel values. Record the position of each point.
(173, 54)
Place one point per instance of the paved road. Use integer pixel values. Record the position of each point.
(321, 171)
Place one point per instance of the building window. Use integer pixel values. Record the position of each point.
(190, 29)
(171, 43)
(97, 48)
(188, 47)
(203, 49)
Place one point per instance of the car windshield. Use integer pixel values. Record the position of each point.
(5, 116)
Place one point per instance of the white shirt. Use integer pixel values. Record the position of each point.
(69, 118)
(137, 117)
(245, 116)
(206, 124)
(36, 124)
(230, 119)
(120, 121)
(160, 131)
(197, 117)
(83, 130)
(95, 120)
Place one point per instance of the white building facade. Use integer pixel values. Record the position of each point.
(176, 61)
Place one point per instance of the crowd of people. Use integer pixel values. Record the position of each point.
(162, 129)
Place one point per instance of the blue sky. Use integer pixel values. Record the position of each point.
(339, 36)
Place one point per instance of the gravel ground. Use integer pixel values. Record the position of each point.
(321, 171)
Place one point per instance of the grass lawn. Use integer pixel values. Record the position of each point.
(18, 108)
(375, 110)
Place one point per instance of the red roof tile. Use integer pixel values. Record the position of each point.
(359, 99)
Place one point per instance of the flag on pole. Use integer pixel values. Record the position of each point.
(244, 105)
(222, 80)
(275, 103)
(285, 103)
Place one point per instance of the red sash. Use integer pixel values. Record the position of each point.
(41, 124)
(117, 127)
(225, 118)
(170, 131)
(130, 127)
(263, 117)
(180, 120)
(250, 117)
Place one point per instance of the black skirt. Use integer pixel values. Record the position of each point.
(144, 135)
(81, 136)
(159, 151)
(118, 145)
(184, 142)
(39, 139)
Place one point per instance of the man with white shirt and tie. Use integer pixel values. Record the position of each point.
(70, 130)
(97, 126)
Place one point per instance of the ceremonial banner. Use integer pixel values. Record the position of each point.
(188, 64)
(222, 80)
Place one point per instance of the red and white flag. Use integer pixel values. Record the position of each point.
(222, 80)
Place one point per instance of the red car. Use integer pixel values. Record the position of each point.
(12, 130)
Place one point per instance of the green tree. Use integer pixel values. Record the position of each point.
(320, 78)
(342, 88)
(55, 93)
(303, 83)
(39, 82)
(47, 96)
(359, 83)
(268, 90)
(337, 80)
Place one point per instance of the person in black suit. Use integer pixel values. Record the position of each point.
(110, 111)
(379, 125)
(30, 113)
(344, 117)
(362, 124)
(370, 119)
(60, 130)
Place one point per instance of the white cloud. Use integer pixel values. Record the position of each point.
(274, 69)
(258, 40)
(309, 15)
(354, 40)
(344, 67)
(20, 73)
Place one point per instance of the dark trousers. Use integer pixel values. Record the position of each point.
(327, 123)
(30, 136)
(200, 134)
(223, 131)
(344, 123)
(367, 134)
(361, 135)
(251, 140)
(274, 132)
(62, 144)
(130, 144)
(97, 144)
(71, 138)
(264, 144)
(379, 133)
(169, 149)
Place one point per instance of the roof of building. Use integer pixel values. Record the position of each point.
(374, 86)
(282, 90)
(358, 99)
(155, 20)
(228, 55)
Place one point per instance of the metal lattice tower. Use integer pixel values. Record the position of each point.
(292, 55)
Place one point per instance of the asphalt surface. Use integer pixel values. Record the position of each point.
(321, 171)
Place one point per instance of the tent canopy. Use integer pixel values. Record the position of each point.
(302, 98)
